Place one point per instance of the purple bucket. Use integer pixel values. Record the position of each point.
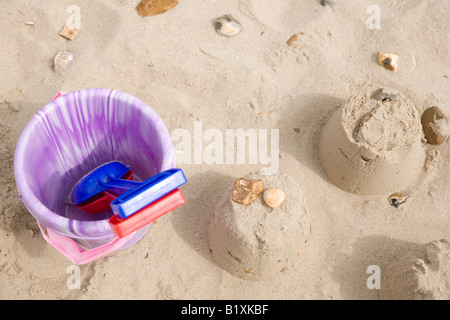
(68, 138)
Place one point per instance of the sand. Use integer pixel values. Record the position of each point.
(420, 273)
(179, 65)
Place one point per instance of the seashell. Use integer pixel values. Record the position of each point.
(148, 8)
(61, 60)
(388, 60)
(397, 198)
(68, 32)
(432, 130)
(245, 190)
(274, 197)
(227, 26)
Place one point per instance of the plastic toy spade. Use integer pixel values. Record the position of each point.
(134, 203)
(92, 195)
(107, 176)
(110, 180)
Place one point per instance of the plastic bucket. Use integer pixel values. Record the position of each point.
(68, 138)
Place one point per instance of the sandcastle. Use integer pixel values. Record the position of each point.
(372, 144)
(256, 241)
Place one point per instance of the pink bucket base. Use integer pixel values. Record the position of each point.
(75, 252)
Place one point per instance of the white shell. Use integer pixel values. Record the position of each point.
(274, 197)
(61, 60)
(227, 26)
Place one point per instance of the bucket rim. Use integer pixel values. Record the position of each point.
(53, 220)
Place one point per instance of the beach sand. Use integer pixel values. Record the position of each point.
(188, 73)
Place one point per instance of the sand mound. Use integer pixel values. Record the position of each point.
(373, 143)
(420, 273)
(254, 241)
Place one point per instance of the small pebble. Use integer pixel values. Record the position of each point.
(61, 60)
(432, 130)
(293, 42)
(326, 2)
(245, 190)
(383, 95)
(68, 32)
(388, 60)
(147, 8)
(227, 26)
(398, 198)
(274, 197)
